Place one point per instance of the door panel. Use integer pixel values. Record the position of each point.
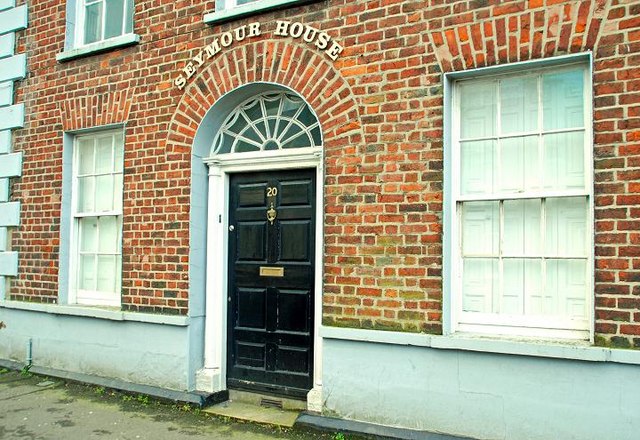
(271, 281)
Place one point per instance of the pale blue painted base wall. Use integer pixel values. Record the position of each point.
(152, 354)
(481, 395)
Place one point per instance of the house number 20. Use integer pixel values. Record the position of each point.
(272, 191)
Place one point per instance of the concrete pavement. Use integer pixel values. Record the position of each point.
(40, 408)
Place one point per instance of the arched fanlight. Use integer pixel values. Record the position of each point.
(270, 121)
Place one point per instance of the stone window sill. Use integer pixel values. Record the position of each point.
(112, 314)
(250, 9)
(558, 349)
(99, 46)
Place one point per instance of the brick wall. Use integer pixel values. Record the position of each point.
(381, 109)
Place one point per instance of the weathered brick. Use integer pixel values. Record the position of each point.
(381, 111)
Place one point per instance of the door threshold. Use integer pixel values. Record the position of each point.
(267, 400)
(259, 408)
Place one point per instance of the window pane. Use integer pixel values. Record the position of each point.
(519, 104)
(293, 136)
(85, 156)
(108, 235)
(245, 147)
(290, 106)
(535, 297)
(253, 109)
(88, 234)
(307, 118)
(477, 109)
(478, 162)
(106, 273)
(87, 273)
(522, 227)
(563, 103)
(119, 152)
(119, 239)
(522, 283)
(479, 284)
(519, 169)
(104, 193)
(93, 23)
(302, 141)
(480, 226)
(317, 137)
(114, 18)
(250, 133)
(566, 232)
(128, 25)
(564, 161)
(118, 273)
(117, 200)
(104, 149)
(86, 194)
(566, 284)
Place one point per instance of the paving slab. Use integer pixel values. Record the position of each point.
(39, 408)
(255, 413)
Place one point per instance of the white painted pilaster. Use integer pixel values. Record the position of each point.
(211, 377)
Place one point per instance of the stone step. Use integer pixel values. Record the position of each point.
(251, 412)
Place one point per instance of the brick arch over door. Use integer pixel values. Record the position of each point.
(303, 70)
(306, 72)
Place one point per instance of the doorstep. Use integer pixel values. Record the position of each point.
(259, 408)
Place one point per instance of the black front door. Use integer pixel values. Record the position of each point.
(271, 281)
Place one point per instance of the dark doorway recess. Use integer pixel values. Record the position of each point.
(271, 281)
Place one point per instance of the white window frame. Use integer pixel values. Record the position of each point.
(225, 5)
(230, 10)
(77, 296)
(74, 45)
(81, 7)
(455, 321)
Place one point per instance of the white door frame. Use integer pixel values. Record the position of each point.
(213, 378)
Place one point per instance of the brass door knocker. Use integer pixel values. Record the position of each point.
(271, 214)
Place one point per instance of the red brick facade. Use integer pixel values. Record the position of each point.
(381, 110)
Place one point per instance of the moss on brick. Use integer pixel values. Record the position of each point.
(410, 315)
(384, 325)
(387, 326)
(341, 322)
(431, 328)
(389, 240)
(601, 341)
(390, 282)
(620, 342)
(411, 294)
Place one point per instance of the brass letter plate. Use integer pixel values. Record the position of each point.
(271, 271)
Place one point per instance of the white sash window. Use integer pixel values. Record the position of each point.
(103, 20)
(521, 262)
(97, 218)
